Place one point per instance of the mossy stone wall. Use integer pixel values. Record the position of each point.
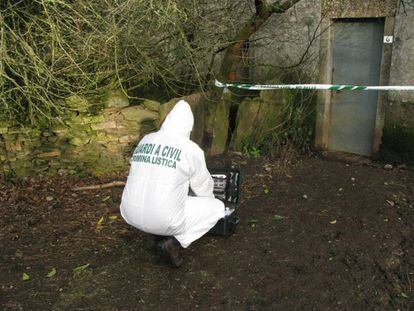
(87, 140)
(80, 142)
(257, 117)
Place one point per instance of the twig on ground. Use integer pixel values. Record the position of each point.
(103, 186)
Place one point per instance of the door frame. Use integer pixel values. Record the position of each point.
(324, 98)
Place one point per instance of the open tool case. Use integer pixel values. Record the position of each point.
(227, 189)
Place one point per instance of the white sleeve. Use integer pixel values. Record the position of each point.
(201, 181)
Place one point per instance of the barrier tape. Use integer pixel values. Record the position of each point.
(330, 87)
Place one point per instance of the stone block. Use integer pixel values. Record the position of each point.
(257, 117)
(117, 98)
(50, 154)
(23, 154)
(104, 125)
(60, 130)
(151, 105)
(139, 114)
(193, 100)
(52, 139)
(14, 130)
(13, 146)
(79, 141)
(220, 125)
(114, 147)
(10, 137)
(114, 116)
(77, 103)
(5, 124)
(103, 137)
(128, 139)
(165, 109)
(84, 120)
(129, 127)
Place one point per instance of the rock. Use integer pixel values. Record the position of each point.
(113, 114)
(197, 104)
(139, 114)
(117, 98)
(79, 141)
(165, 109)
(60, 131)
(105, 138)
(128, 138)
(113, 147)
(27, 133)
(220, 125)
(267, 167)
(50, 154)
(236, 153)
(94, 119)
(13, 146)
(77, 103)
(245, 122)
(4, 127)
(52, 139)
(104, 125)
(49, 198)
(151, 105)
(388, 167)
(62, 172)
(255, 117)
(84, 120)
(402, 167)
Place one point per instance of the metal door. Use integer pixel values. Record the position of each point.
(357, 51)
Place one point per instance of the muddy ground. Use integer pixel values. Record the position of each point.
(322, 234)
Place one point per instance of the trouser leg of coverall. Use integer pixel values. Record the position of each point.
(201, 214)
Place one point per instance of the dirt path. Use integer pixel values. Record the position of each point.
(325, 234)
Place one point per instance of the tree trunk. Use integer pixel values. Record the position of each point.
(233, 57)
(233, 53)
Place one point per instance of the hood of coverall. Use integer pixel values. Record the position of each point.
(180, 120)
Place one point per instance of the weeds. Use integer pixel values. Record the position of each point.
(295, 132)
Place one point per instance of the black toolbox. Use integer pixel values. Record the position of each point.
(227, 183)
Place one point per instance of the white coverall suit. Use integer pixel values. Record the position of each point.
(163, 167)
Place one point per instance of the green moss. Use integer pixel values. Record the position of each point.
(220, 124)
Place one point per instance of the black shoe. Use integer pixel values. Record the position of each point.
(157, 239)
(171, 248)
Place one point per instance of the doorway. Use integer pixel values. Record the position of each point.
(357, 54)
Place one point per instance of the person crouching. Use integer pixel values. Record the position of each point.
(164, 166)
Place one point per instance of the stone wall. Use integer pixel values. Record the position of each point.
(100, 142)
(87, 142)
(398, 132)
(291, 40)
(259, 116)
(358, 8)
(80, 142)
